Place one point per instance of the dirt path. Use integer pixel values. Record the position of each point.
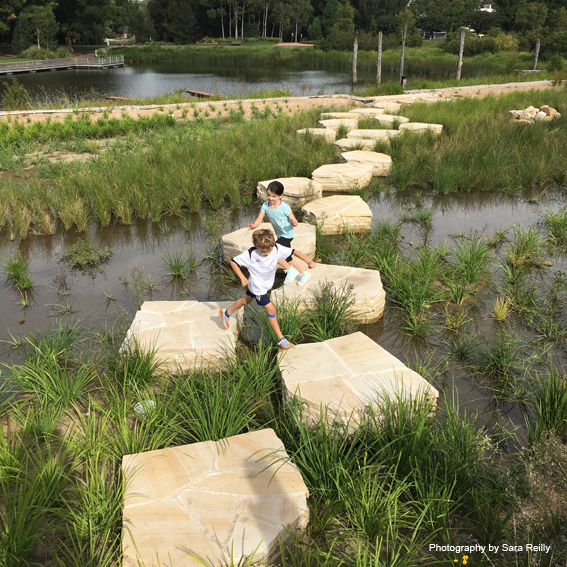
(286, 104)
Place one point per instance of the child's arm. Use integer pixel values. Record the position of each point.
(238, 272)
(292, 219)
(303, 257)
(257, 222)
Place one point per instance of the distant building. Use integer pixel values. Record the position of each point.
(486, 8)
(122, 35)
(434, 35)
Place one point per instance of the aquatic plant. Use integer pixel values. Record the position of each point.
(17, 270)
(84, 255)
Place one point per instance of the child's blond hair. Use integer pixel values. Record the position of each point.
(263, 239)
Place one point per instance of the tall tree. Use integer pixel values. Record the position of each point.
(301, 11)
(216, 9)
(406, 21)
(37, 23)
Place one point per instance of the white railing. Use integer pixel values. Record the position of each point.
(64, 62)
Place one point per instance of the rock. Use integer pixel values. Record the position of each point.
(514, 113)
(355, 144)
(422, 127)
(336, 115)
(367, 111)
(327, 133)
(297, 190)
(346, 376)
(184, 334)
(369, 296)
(373, 134)
(335, 124)
(551, 112)
(390, 119)
(240, 240)
(332, 213)
(343, 177)
(540, 116)
(381, 163)
(531, 111)
(391, 107)
(525, 116)
(212, 500)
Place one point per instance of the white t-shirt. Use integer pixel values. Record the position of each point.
(262, 268)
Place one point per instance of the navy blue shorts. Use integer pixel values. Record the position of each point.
(287, 243)
(262, 300)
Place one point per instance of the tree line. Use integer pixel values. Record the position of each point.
(332, 23)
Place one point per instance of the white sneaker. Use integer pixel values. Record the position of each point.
(291, 275)
(303, 279)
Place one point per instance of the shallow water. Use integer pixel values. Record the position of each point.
(94, 297)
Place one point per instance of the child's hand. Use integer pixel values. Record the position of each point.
(244, 282)
(294, 222)
(311, 265)
(251, 226)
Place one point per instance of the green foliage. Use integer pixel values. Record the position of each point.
(15, 95)
(83, 255)
(17, 270)
(550, 404)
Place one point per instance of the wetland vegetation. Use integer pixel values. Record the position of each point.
(483, 312)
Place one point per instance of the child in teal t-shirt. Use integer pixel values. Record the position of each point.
(283, 220)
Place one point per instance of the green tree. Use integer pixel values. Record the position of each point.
(37, 23)
(341, 36)
(329, 16)
(216, 9)
(531, 17)
(481, 21)
(301, 11)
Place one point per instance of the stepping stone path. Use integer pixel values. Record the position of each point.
(332, 213)
(237, 496)
(327, 133)
(381, 163)
(347, 375)
(184, 334)
(367, 292)
(352, 143)
(343, 177)
(388, 106)
(297, 190)
(337, 123)
(240, 240)
(390, 119)
(365, 112)
(373, 134)
(330, 115)
(421, 127)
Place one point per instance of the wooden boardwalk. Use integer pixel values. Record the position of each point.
(60, 64)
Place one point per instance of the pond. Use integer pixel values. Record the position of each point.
(95, 298)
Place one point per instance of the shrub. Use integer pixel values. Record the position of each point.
(473, 45)
(507, 42)
(15, 96)
(84, 255)
(35, 52)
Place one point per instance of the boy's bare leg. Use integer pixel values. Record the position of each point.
(239, 303)
(271, 310)
(285, 265)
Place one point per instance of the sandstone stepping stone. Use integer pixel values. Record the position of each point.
(373, 134)
(184, 334)
(347, 375)
(342, 177)
(368, 292)
(390, 119)
(355, 143)
(333, 213)
(297, 190)
(337, 123)
(422, 127)
(392, 107)
(327, 133)
(367, 111)
(209, 500)
(381, 163)
(240, 240)
(345, 115)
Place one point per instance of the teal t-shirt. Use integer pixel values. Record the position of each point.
(279, 217)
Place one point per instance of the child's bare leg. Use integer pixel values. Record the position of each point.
(297, 266)
(239, 303)
(285, 265)
(271, 310)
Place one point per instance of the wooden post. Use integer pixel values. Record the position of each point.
(354, 56)
(379, 60)
(536, 54)
(461, 49)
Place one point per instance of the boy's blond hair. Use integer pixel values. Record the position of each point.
(263, 239)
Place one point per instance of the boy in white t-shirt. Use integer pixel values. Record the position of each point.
(262, 261)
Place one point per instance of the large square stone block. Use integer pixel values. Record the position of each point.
(368, 293)
(387, 106)
(381, 163)
(327, 133)
(342, 177)
(422, 127)
(390, 119)
(207, 500)
(373, 134)
(354, 373)
(332, 214)
(240, 240)
(184, 334)
(366, 112)
(336, 123)
(297, 190)
(356, 144)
